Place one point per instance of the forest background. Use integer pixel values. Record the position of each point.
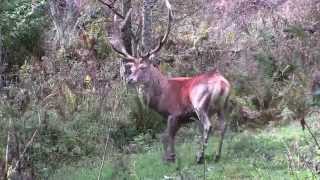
(66, 113)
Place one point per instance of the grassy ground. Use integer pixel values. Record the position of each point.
(247, 155)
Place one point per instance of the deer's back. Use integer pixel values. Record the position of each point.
(211, 84)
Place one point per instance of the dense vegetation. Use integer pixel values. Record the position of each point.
(66, 113)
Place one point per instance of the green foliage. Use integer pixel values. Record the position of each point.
(74, 126)
(68, 141)
(91, 24)
(248, 155)
(21, 28)
(61, 140)
(296, 30)
(295, 99)
(58, 142)
(316, 98)
(82, 173)
(267, 64)
(144, 117)
(140, 126)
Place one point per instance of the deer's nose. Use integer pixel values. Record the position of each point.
(131, 80)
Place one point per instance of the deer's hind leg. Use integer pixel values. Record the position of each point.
(222, 127)
(200, 102)
(205, 128)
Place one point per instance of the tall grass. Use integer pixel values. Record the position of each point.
(249, 155)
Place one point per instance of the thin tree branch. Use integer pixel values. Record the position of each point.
(112, 8)
(104, 155)
(25, 149)
(29, 143)
(312, 135)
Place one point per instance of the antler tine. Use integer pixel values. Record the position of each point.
(116, 41)
(165, 37)
(122, 52)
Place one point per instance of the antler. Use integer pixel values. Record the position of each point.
(116, 40)
(165, 37)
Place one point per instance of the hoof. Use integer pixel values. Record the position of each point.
(200, 158)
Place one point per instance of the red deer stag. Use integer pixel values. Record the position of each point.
(177, 99)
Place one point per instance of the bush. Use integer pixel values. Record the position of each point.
(21, 27)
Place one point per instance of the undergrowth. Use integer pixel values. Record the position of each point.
(262, 154)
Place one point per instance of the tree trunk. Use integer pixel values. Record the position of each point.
(126, 36)
(126, 5)
(147, 25)
(3, 64)
(12, 153)
(64, 14)
(2, 169)
(0, 51)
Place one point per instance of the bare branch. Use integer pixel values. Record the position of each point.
(17, 165)
(137, 34)
(165, 37)
(104, 155)
(111, 7)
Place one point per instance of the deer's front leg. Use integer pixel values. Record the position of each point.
(168, 138)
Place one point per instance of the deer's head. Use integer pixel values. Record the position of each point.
(139, 72)
(140, 67)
